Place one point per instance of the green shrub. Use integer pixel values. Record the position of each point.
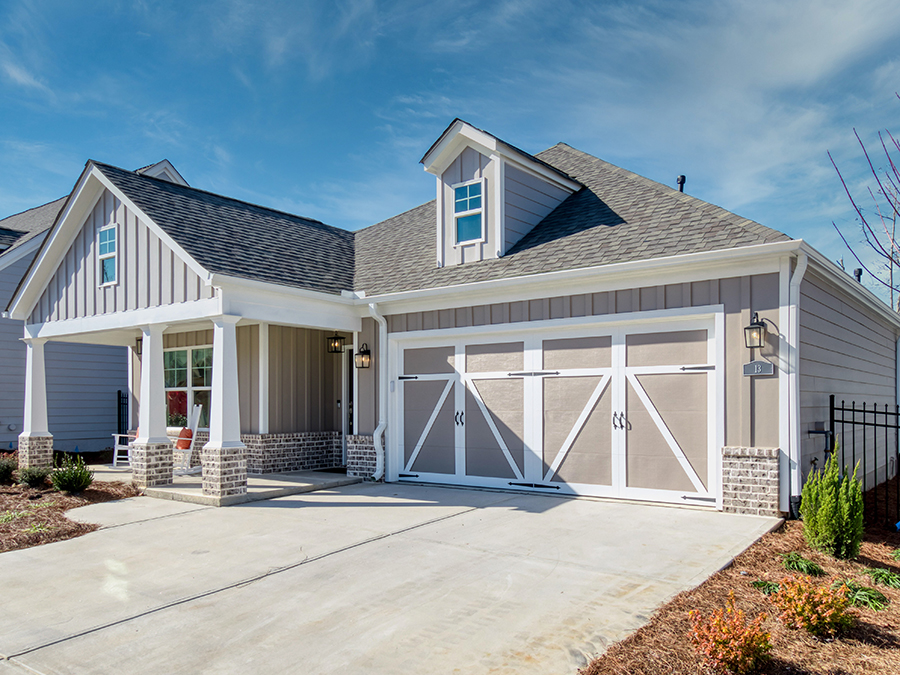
(794, 562)
(34, 476)
(72, 475)
(728, 642)
(832, 511)
(822, 610)
(863, 596)
(883, 576)
(895, 554)
(766, 587)
(8, 466)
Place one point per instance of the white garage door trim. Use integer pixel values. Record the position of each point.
(710, 318)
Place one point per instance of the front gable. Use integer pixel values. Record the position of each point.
(144, 267)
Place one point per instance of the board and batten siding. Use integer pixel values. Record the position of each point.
(528, 201)
(149, 273)
(82, 382)
(846, 350)
(470, 165)
(752, 411)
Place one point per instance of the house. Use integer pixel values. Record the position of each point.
(548, 323)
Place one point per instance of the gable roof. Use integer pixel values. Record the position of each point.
(235, 238)
(618, 216)
(21, 228)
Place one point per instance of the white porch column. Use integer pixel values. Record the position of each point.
(35, 441)
(151, 453)
(223, 458)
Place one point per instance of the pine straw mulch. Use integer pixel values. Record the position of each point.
(31, 517)
(663, 647)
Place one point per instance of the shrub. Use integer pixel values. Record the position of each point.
(766, 587)
(832, 511)
(728, 642)
(34, 476)
(8, 465)
(822, 610)
(862, 596)
(794, 562)
(72, 475)
(895, 554)
(883, 576)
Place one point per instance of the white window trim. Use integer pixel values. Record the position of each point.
(114, 255)
(188, 387)
(471, 212)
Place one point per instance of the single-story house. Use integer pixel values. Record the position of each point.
(548, 323)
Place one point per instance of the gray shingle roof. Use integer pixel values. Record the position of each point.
(23, 227)
(618, 216)
(231, 237)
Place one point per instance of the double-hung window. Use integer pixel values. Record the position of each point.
(468, 211)
(107, 255)
(188, 376)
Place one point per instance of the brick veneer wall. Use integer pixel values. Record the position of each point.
(360, 456)
(750, 480)
(35, 451)
(272, 453)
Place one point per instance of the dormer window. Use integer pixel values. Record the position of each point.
(468, 211)
(107, 255)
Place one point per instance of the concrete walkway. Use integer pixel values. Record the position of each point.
(361, 579)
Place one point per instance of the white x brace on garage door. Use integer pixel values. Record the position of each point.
(626, 409)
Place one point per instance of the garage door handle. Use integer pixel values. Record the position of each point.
(462, 419)
(615, 420)
(456, 418)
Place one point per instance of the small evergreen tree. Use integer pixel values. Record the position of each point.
(832, 511)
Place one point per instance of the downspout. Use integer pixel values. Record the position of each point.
(794, 391)
(378, 436)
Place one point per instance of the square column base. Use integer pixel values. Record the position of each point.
(224, 470)
(35, 450)
(151, 464)
(750, 480)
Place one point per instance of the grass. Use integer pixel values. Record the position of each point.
(766, 587)
(794, 562)
(662, 646)
(883, 576)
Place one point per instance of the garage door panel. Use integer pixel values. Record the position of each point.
(504, 405)
(589, 457)
(496, 357)
(434, 447)
(429, 360)
(650, 461)
(681, 401)
(582, 352)
(665, 349)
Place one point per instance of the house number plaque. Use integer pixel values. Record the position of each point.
(758, 368)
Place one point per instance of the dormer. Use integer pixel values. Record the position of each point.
(164, 170)
(489, 194)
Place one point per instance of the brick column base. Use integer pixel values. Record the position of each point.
(360, 456)
(151, 464)
(35, 450)
(224, 471)
(750, 480)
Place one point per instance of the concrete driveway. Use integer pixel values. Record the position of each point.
(361, 579)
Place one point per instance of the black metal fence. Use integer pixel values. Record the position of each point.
(867, 436)
(122, 424)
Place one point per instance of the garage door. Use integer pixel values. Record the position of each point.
(619, 413)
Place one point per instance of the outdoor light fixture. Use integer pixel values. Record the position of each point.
(334, 344)
(755, 333)
(139, 346)
(363, 357)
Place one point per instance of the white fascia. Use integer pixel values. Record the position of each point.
(760, 259)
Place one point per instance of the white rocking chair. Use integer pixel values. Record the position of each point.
(122, 448)
(182, 456)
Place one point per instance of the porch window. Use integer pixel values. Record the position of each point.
(188, 375)
(107, 255)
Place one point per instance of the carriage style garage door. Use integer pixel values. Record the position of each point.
(621, 412)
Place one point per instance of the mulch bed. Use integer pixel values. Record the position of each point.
(872, 646)
(31, 517)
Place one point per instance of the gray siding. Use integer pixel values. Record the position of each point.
(470, 165)
(752, 403)
(82, 381)
(149, 273)
(845, 350)
(528, 201)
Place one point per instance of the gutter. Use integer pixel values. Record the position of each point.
(796, 482)
(378, 435)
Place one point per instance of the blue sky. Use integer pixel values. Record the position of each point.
(325, 108)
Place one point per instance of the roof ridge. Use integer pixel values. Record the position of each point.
(163, 181)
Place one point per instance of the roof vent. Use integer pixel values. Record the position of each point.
(680, 181)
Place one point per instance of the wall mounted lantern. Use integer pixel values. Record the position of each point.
(363, 357)
(139, 346)
(334, 344)
(755, 333)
